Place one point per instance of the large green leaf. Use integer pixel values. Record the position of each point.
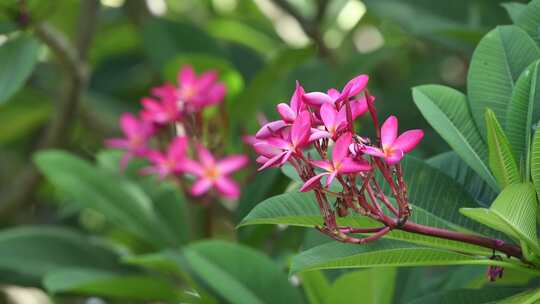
(513, 213)
(36, 250)
(17, 60)
(300, 209)
(448, 113)
(528, 297)
(529, 20)
(373, 286)
(501, 159)
(467, 296)
(385, 253)
(121, 201)
(239, 274)
(535, 160)
(496, 64)
(316, 286)
(514, 9)
(523, 112)
(452, 165)
(109, 284)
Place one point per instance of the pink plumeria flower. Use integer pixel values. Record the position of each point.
(137, 133)
(165, 164)
(291, 143)
(199, 92)
(288, 113)
(341, 163)
(394, 147)
(211, 173)
(334, 120)
(161, 112)
(333, 96)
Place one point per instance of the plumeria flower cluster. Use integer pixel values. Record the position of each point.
(179, 107)
(316, 136)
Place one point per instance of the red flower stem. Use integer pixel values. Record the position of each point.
(360, 230)
(385, 218)
(403, 187)
(384, 199)
(373, 114)
(498, 245)
(388, 176)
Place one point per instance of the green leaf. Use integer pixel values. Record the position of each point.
(240, 32)
(452, 165)
(496, 64)
(316, 286)
(528, 297)
(514, 9)
(448, 113)
(374, 285)
(529, 20)
(121, 201)
(383, 253)
(523, 112)
(109, 284)
(467, 296)
(300, 209)
(17, 60)
(36, 250)
(501, 159)
(239, 274)
(513, 213)
(535, 160)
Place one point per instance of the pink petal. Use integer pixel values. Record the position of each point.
(186, 76)
(266, 149)
(312, 182)
(318, 134)
(279, 143)
(330, 178)
(206, 80)
(408, 140)
(296, 100)
(130, 124)
(216, 93)
(394, 156)
(285, 157)
(272, 161)
(358, 107)
(261, 159)
(120, 143)
(317, 98)
(328, 116)
(389, 131)
(177, 149)
(286, 113)
(270, 129)
(333, 93)
(228, 187)
(232, 163)
(349, 165)
(356, 85)
(201, 186)
(373, 151)
(190, 166)
(206, 158)
(341, 148)
(323, 164)
(301, 129)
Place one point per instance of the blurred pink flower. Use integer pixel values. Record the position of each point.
(394, 147)
(137, 133)
(341, 163)
(162, 111)
(211, 173)
(195, 93)
(333, 96)
(164, 164)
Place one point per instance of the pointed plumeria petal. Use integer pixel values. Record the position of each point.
(191, 167)
(270, 129)
(130, 125)
(349, 165)
(359, 107)
(286, 113)
(318, 134)
(261, 159)
(266, 149)
(285, 157)
(206, 158)
(408, 140)
(323, 164)
(227, 187)
(279, 143)
(296, 102)
(389, 131)
(272, 161)
(333, 93)
(186, 76)
(317, 99)
(356, 85)
(329, 117)
(394, 156)
(216, 94)
(206, 80)
(330, 178)
(201, 186)
(231, 163)
(373, 151)
(341, 147)
(312, 182)
(301, 129)
(177, 149)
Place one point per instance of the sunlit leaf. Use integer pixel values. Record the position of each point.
(529, 20)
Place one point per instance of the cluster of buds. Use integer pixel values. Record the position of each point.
(169, 124)
(316, 135)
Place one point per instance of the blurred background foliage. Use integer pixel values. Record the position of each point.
(123, 48)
